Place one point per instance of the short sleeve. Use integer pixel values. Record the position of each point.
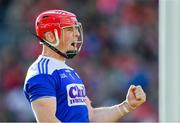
(40, 86)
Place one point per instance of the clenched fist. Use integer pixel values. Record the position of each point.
(135, 96)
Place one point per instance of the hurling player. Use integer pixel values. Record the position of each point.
(54, 89)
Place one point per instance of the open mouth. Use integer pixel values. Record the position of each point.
(73, 44)
(76, 45)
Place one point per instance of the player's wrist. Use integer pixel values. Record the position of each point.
(128, 106)
(124, 108)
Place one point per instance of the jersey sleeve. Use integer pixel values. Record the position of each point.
(40, 86)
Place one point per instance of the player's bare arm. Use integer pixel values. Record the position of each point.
(135, 97)
(45, 109)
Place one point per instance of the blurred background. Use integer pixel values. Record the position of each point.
(120, 48)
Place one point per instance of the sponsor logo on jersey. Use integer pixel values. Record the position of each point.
(76, 94)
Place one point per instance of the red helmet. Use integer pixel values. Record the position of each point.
(54, 19)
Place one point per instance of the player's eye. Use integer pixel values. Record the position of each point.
(69, 29)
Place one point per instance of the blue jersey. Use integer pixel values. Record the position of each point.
(49, 77)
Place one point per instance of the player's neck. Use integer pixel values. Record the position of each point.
(48, 52)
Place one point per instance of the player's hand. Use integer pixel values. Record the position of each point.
(135, 96)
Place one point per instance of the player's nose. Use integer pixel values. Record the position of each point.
(77, 33)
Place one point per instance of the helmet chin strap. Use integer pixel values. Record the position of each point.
(68, 54)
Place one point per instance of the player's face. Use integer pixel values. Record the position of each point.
(71, 38)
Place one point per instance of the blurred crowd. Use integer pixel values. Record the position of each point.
(120, 48)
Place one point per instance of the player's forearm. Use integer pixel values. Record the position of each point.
(111, 114)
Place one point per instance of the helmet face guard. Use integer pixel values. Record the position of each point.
(72, 46)
(66, 29)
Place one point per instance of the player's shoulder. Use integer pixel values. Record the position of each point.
(45, 65)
